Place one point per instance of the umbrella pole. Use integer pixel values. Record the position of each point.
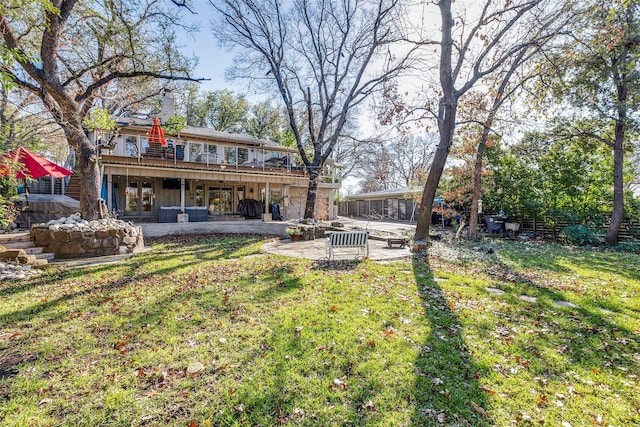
(27, 208)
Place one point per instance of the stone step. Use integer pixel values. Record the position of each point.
(46, 255)
(18, 244)
(33, 250)
(14, 237)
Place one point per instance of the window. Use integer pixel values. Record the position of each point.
(243, 155)
(195, 152)
(212, 153)
(130, 146)
(230, 155)
(199, 195)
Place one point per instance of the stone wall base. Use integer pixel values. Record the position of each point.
(74, 243)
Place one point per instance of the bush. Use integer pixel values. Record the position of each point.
(8, 213)
(627, 246)
(578, 235)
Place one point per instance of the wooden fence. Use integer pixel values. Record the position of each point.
(630, 229)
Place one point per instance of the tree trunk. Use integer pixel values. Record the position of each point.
(446, 123)
(312, 192)
(89, 173)
(433, 179)
(618, 185)
(477, 185)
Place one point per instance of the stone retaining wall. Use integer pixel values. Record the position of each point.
(77, 243)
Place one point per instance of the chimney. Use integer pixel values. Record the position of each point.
(168, 106)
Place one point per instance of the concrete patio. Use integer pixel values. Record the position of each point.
(312, 249)
(317, 250)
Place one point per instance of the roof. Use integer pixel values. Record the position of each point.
(402, 192)
(207, 133)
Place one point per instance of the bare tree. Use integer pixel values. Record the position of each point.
(470, 50)
(323, 58)
(410, 158)
(24, 123)
(66, 52)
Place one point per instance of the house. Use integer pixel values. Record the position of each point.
(208, 174)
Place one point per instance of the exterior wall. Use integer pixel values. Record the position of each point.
(293, 208)
(151, 195)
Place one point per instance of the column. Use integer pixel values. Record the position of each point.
(182, 193)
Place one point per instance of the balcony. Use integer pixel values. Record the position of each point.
(206, 165)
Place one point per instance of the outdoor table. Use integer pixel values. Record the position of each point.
(401, 241)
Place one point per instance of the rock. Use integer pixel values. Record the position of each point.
(565, 304)
(13, 254)
(195, 369)
(528, 298)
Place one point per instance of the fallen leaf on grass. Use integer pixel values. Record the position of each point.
(480, 410)
(597, 419)
(337, 384)
(488, 390)
(541, 400)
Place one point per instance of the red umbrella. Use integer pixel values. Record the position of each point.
(35, 166)
(156, 134)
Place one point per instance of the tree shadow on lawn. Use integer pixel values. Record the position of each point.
(555, 259)
(126, 332)
(559, 348)
(354, 372)
(191, 248)
(147, 266)
(447, 388)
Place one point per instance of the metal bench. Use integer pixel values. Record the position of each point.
(348, 239)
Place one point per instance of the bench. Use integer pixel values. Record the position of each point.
(348, 239)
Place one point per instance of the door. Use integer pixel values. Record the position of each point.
(220, 200)
(139, 198)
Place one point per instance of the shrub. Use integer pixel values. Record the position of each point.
(627, 246)
(578, 235)
(8, 213)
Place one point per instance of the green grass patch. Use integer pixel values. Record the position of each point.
(208, 331)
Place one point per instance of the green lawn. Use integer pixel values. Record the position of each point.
(285, 341)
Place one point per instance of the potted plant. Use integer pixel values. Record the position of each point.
(295, 233)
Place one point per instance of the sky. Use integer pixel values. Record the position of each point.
(213, 60)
